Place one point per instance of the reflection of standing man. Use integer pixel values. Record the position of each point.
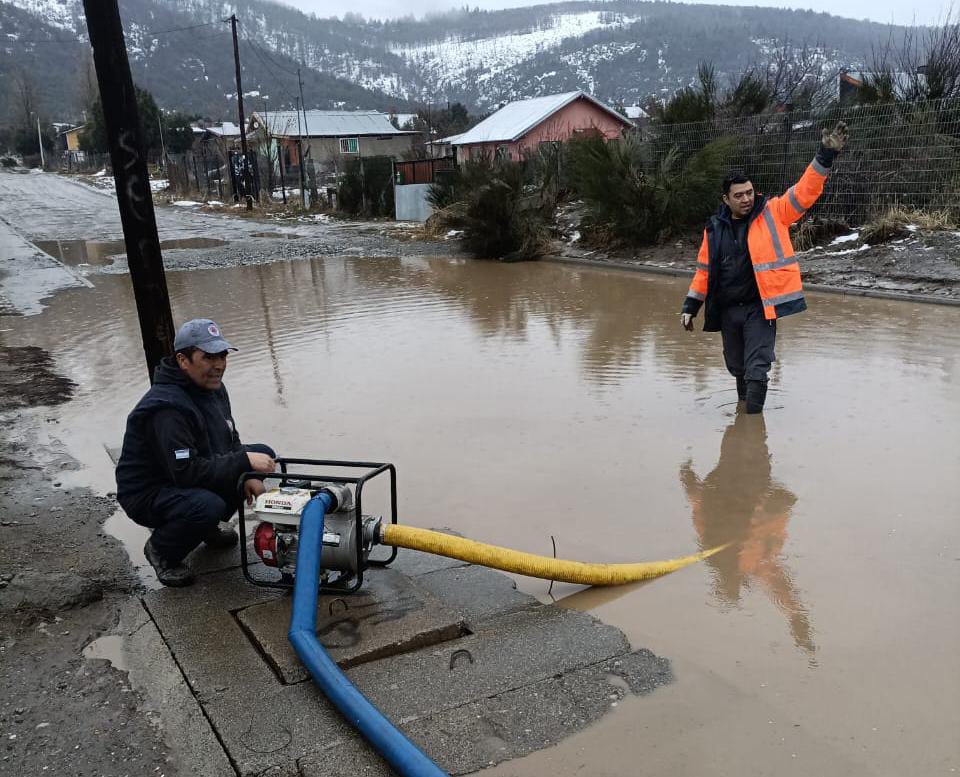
(738, 502)
(747, 275)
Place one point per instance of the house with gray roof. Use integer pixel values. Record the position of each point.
(330, 138)
(522, 126)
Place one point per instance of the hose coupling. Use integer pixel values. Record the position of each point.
(341, 494)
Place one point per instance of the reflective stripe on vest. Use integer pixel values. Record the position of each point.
(773, 301)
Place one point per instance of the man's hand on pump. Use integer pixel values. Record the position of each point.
(261, 462)
(252, 489)
(687, 320)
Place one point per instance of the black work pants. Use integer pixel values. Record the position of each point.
(748, 340)
(182, 516)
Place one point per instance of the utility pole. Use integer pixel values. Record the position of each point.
(303, 107)
(163, 146)
(40, 141)
(303, 202)
(243, 129)
(132, 181)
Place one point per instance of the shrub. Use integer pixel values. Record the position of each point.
(501, 217)
(639, 196)
(366, 187)
(8, 161)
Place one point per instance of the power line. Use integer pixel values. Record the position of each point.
(269, 69)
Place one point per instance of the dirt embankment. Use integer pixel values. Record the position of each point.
(921, 263)
(61, 584)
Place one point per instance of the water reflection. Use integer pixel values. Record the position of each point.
(740, 502)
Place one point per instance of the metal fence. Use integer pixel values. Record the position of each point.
(899, 154)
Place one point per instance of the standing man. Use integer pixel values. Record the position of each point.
(747, 275)
(182, 457)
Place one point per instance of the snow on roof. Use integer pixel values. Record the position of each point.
(450, 139)
(227, 129)
(517, 118)
(327, 123)
(635, 112)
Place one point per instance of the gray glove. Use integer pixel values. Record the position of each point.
(836, 138)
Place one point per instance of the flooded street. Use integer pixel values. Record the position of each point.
(525, 401)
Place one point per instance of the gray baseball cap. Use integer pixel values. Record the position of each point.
(201, 333)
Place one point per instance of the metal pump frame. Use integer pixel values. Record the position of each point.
(340, 585)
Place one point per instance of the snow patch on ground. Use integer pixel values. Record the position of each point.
(846, 238)
(186, 203)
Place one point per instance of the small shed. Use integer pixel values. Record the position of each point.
(521, 126)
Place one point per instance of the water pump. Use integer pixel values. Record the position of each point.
(348, 536)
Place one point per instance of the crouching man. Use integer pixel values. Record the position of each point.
(182, 456)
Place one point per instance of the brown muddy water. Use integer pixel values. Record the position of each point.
(528, 400)
(101, 252)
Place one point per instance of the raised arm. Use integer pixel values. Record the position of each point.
(800, 197)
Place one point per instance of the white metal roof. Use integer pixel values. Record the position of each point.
(321, 124)
(517, 118)
(226, 130)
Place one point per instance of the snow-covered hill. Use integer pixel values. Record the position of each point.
(620, 50)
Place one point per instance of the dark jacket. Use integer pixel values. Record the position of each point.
(178, 435)
(719, 231)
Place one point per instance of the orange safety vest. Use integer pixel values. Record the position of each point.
(774, 264)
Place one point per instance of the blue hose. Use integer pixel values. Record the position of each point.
(404, 756)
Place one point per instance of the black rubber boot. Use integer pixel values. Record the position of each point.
(756, 395)
(175, 575)
(741, 389)
(220, 537)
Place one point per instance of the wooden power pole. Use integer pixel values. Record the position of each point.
(243, 129)
(132, 180)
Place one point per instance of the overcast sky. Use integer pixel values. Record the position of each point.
(885, 11)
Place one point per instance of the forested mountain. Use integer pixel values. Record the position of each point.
(622, 51)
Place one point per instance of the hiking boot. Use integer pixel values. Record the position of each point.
(175, 575)
(220, 537)
(741, 389)
(756, 395)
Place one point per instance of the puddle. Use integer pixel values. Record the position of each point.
(575, 398)
(109, 648)
(101, 252)
(134, 537)
(277, 235)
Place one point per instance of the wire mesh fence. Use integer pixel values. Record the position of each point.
(899, 154)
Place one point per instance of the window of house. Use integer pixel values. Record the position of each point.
(349, 145)
(502, 152)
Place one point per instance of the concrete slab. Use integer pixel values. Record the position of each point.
(391, 614)
(155, 674)
(508, 725)
(530, 659)
(476, 592)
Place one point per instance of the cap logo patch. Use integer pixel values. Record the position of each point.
(213, 330)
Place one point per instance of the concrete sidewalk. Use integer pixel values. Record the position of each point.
(471, 670)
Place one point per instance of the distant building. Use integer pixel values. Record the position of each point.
(71, 137)
(519, 127)
(330, 138)
(851, 82)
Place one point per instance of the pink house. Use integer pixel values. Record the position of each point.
(521, 126)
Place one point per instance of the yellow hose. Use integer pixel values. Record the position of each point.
(531, 565)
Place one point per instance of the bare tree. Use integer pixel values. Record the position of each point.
(25, 97)
(924, 64)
